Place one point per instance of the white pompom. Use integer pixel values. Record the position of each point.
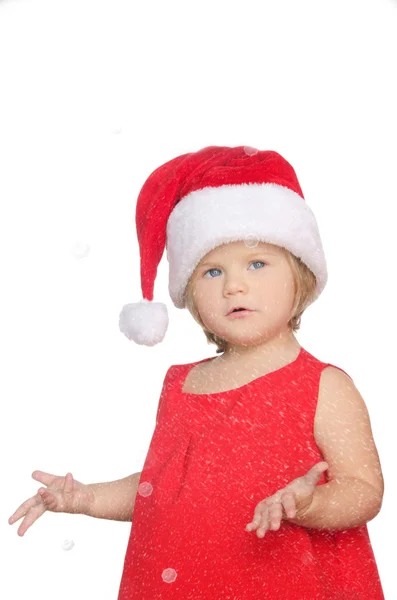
(144, 322)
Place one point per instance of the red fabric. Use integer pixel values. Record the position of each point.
(212, 166)
(211, 459)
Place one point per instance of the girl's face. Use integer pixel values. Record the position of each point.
(258, 278)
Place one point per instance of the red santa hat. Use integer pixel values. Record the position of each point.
(201, 200)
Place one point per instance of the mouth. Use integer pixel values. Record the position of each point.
(237, 310)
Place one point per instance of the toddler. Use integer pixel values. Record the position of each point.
(262, 471)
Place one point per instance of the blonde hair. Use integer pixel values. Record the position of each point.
(305, 292)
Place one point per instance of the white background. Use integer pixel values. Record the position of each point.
(94, 95)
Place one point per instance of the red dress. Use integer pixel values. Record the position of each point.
(212, 458)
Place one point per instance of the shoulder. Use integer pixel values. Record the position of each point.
(201, 364)
(332, 376)
(342, 429)
(178, 369)
(337, 394)
(170, 375)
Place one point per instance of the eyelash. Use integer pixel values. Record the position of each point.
(251, 263)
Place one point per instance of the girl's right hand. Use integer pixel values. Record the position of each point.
(63, 494)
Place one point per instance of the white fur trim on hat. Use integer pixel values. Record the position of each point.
(210, 217)
(144, 322)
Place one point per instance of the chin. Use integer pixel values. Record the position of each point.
(244, 339)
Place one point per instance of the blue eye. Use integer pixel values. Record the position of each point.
(209, 271)
(253, 263)
(258, 261)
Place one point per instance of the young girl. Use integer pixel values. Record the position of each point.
(262, 471)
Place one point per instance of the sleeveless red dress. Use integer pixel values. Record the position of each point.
(212, 458)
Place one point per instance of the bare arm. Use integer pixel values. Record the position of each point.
(114, 500)
(341, 505)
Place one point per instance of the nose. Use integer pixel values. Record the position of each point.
(234, 285)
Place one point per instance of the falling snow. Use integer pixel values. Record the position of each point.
(80, 249)
(145, 489)
(68, 545)
(250, 151)
(169, 575)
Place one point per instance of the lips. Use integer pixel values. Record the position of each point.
(240, 314)
(237, 309)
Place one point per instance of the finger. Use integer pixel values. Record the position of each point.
(271, 519)
(43, 477)
(314, 474)
(48, 499)
(23, 509)
(264, 522)
(275, 516)
(34, 513)
(288, 501)
(68, 484)
(257, 516)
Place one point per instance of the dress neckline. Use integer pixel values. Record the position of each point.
(190, 366)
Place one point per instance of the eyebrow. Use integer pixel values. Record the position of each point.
(208, 264)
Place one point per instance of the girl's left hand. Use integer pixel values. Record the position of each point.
(295, 498)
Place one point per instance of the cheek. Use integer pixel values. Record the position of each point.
(277, 298)
(204, 295)
(208, 307)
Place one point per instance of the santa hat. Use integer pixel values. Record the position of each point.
(201, 200)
